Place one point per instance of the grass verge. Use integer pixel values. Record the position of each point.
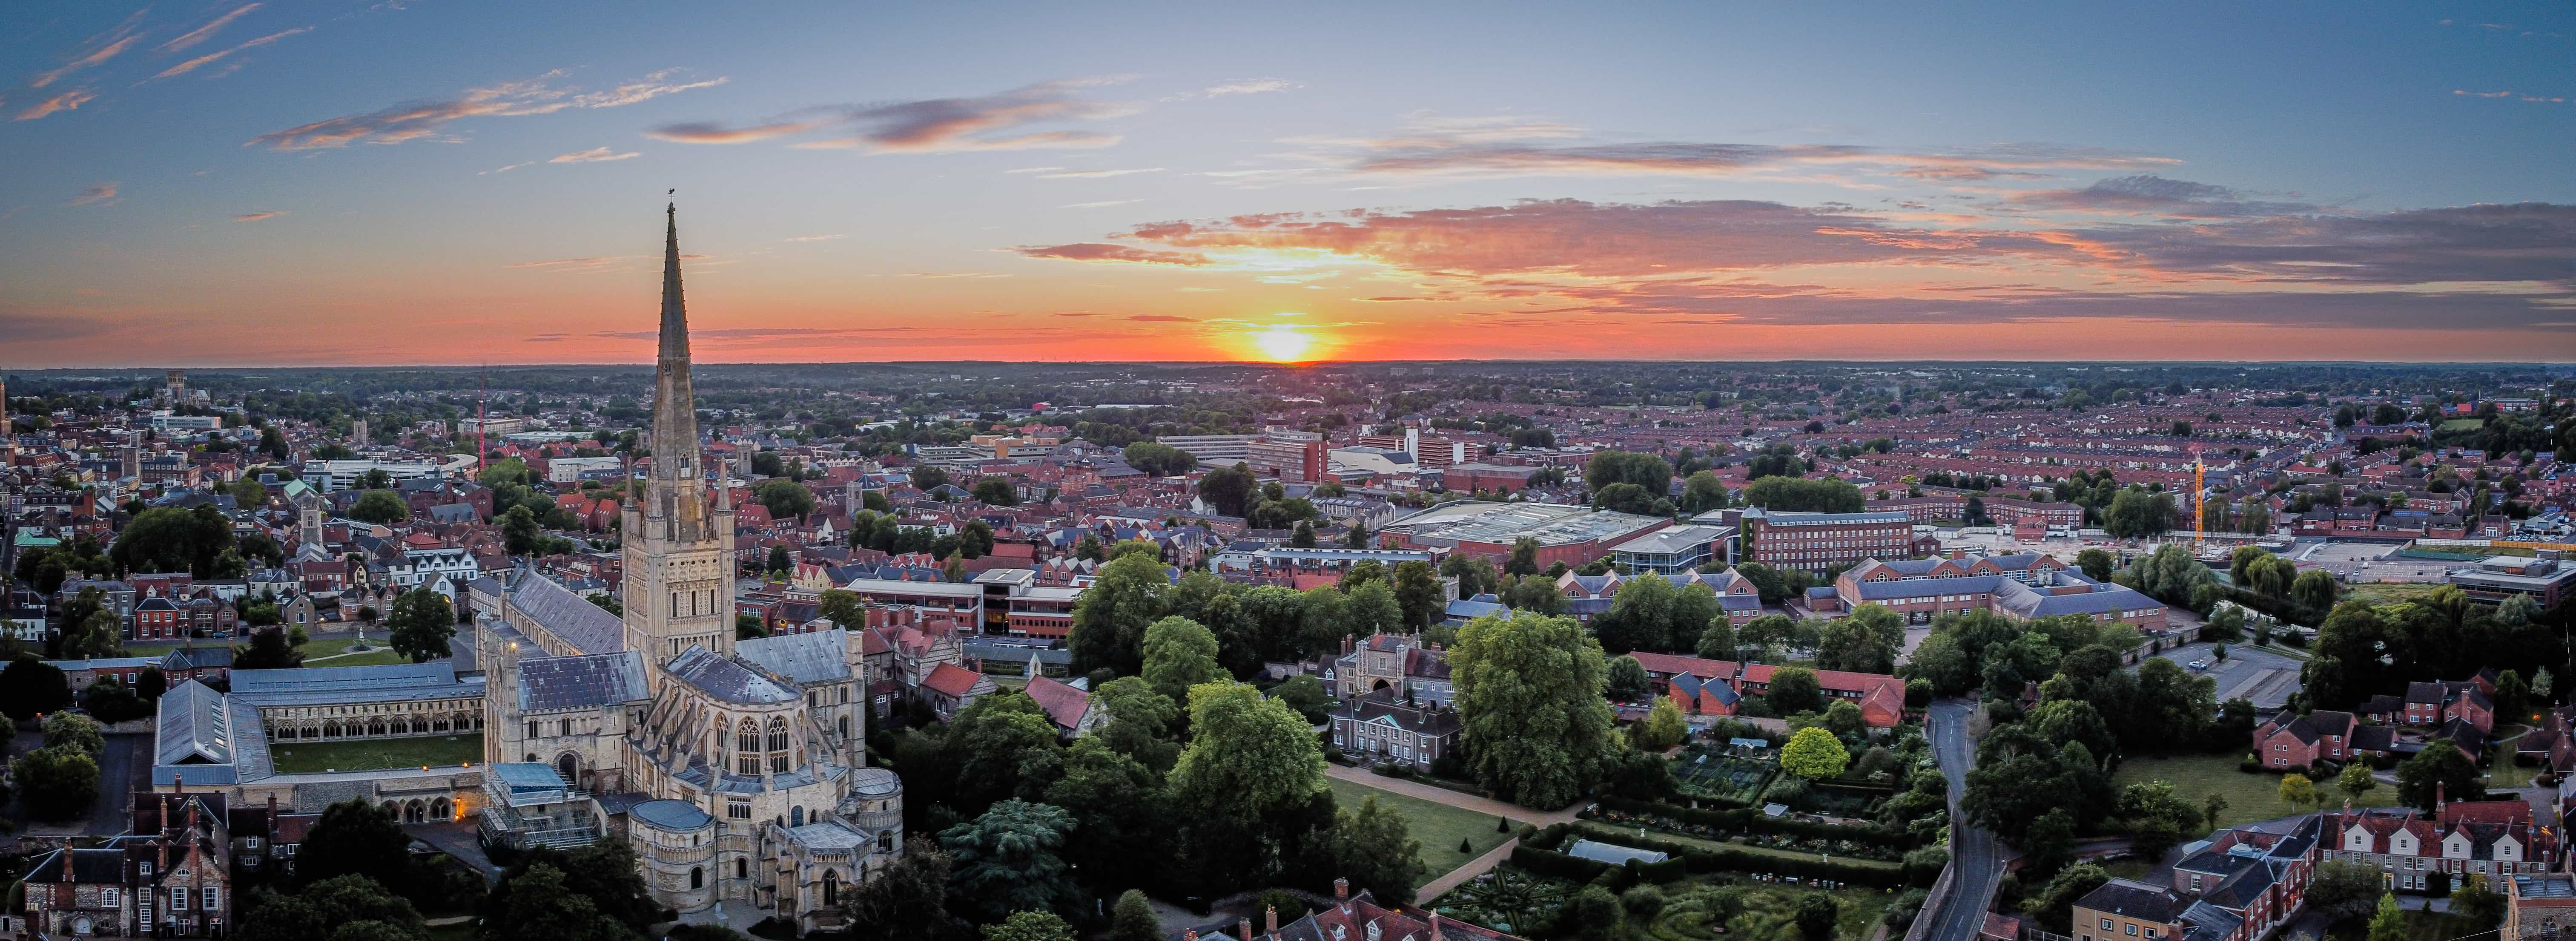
(436, 751)
(1438, 827)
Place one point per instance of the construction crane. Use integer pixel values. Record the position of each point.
(2199, 499)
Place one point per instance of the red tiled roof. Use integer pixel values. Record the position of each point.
(951, 679)
(1063, 703)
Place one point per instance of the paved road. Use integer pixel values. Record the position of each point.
(124, 768)
(1976, 859)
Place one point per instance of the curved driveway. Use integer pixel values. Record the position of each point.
(1976, 859)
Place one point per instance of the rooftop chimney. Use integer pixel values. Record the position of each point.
(1341, 890)
(1270, 923)
(1244, 927)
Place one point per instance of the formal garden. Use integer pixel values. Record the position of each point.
(1684, 888)
(376, 754)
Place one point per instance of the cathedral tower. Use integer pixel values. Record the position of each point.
(678, 543)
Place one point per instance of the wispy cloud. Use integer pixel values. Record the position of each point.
(1105, 252)
(1102, 204)
(65, 101)
(1162, 318)
(259, 216)
(2158, 196)
(815, 238)
(408, 122)
(593, 155)
(2525, 96)
(192, 65)
(506, 169)
(95, 50)
(1256, 86)
(1093, 174)
(1033, 170)
(203, 33)
(935, 125)
(100, 194)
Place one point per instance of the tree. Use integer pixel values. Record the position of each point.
(2095, 563)
(1372, 847)
(2389, 922)
(1625, 679)
(1524, 559)
(1529, 694)
(29, 686)
(1030, 926)
(2296, 789)
(520, 533)
(1702, 492)
(1794, 494)
(2477, 900)
(1307, 695)
(1179, 654)
(927, 477)
(996, 491)
(1418, 593)
(343, 908)
(96, 634)
(1372, 608)
(1110, 617)
(2050, 844)
(537, 905)
(2512, 695)
(150, 684)
(1229, 490)
(1816, 915)
(75, 731)
(1303, 537)
(169, 539)
(268, 650)
(2343, 889)
(422, 624)
(1008, 860)
(1160, 460)
(1662, 728)
(1593, 914)
(1119, 809)
(380, 506)
(1814, 753)
(1865, 642)
(56, 783)
(355, 838)
(2053, 905)
(2439, 771)
(1132, 919)
(2314, 588)
(2137, 512)
(1249, 755)
(906, 900)
(1717, 642)
(1795, 690)
(2356, 780)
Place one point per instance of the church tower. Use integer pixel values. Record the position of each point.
(678, 543)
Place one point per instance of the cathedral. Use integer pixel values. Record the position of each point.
(738, 766)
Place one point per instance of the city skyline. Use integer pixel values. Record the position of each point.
(270, 183)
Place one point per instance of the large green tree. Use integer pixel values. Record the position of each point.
(29, 686)
(1119, 807)
(1179, 654)
(354, 838)
(1865, 642)
(422, 624)
(341, 908)
(1110, 618)
(380, 506)
(1010, 859)
(906, 900)
(1372, 847)
(2439, 771)
(1529, 692)
(170, 539)
(57, 783)
(1418, 594)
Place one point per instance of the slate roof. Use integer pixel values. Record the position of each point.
(194, 727)
(589, 628)
(2136, 900)
(584, 682)
(397, 682)
(725, 679)
(813, 657)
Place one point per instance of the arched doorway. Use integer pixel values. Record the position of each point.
(569, 766)
(697, 878)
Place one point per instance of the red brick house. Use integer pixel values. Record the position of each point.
(2292, 741)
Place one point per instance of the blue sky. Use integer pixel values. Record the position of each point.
(328, 184)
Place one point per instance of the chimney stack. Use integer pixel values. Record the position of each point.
(1271, 923)
(1244, 926)
(1341, 890)
(1435, 927)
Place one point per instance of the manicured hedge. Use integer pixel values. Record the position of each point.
(1559, 865)
(1740, 820)
(1705, 860)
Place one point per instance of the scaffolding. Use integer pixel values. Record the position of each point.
(528, 805)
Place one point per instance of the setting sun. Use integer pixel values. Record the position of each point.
(1282, 343)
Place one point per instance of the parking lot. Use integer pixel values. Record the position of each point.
(2371, 562)
(2249, 672)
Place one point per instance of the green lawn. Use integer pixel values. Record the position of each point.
(437, 751)
(1439, 827)
(2249, 797)
(2507, 774)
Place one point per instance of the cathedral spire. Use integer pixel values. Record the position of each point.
(676, 489)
